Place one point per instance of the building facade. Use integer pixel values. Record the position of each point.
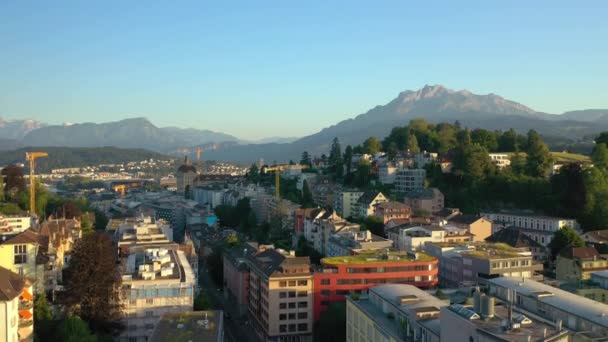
(578, 263)
(407, 180)
(392, 210)
(430, 200)
(16, 307)
(345, 203)
(540, 228)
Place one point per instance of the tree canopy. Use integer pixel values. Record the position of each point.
(565, 237)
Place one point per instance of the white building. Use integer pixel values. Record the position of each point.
(410, 238)
(156, 281)
(14, 224)
(501, 160)
(345, 202)
(540, 228)
(410, 180)
(16, 307)
(208, 196)
(423, 158)
(366, 204)
(387, 172)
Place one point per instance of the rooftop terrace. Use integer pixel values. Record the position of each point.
(374, 256)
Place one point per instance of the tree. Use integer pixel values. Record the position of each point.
(602, 138)
(485, 138)
(412, 144)
(43, 316)
(74, 329)
(335, 154)
(600, 156)
(463, 138)
(332, 323)
(392, 151)
(518, 163)
(14, 181)
(85, 224)
(565, 237)
(568, 188)
(508, 141)
(538, 160)
(93, 282)
(305, 160)
(307, 201)
(253, 175)
(375, 225)
(372, 145)
(201, 302)
(473, 163)
(348, 158)
(364, 169)
(1, 187)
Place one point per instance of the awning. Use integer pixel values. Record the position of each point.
(25, 314)
(26, 295)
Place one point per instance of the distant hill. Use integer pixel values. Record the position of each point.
(17, 129)
(65, 157)
(434, 104)
(129, 133)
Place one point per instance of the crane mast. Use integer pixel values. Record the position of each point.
(31, 158)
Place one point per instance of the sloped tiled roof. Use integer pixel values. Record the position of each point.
(28, 236)
(465, 219)
(11, 284)
(579, 253)
(368, 197)
(513, 237)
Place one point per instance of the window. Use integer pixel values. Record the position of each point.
(302, 293)
(302, 282)
(302, 304)
(282, 283)
(292, 305)
(292, 316)
(324, 281)
(292, 283)
(283, 328)
(325, 292)
(149, 301)
(283, 306)
(292, 294)
(20, 254)
(302, 315)
(133, 327)
(133, 301)
(282, 317)
(292, 327)
(149, 326)
(302, 327)
(282, 294)
(149, 313)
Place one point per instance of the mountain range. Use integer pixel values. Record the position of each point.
(434, 103)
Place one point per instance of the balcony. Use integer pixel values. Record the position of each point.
(25, 305)
(24, 323)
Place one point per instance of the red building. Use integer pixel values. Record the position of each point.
(342, 275)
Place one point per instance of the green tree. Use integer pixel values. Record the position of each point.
(518, 163)
(305, 160)
(85, 224)
(565, 237)
(14, 181)
(473, 163)
(363, 176)
(74, 329)
(463, 138)
(569, 190)
(538, 159)
(600, 156)
(43, 316)
(372, 145)
(201, 302)
(485, 138)
(508, 141)
(602, 138)
(392, 151)
(92, 282)
(412, 144)
(253, 175)
(374, 224)
(332, 324)
(335, 154)
(348, 158)
(307, 201)
(2, 199)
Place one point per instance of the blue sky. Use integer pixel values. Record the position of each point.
(290, 68)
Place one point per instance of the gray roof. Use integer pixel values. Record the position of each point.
(578, 305)
(392, 292)
(11, 284)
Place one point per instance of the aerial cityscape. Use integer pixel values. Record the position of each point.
(262, 171)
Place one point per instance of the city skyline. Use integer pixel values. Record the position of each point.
(269, 69)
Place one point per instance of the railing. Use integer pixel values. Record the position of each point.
(25, 323)
(25, 305)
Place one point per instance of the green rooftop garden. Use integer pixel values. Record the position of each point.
(370, 257)
(493, 251)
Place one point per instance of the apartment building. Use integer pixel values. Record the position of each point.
(387, 171)
(322, 225)
(515, 238)
(345, 203)
(14, 224)
(584, 317)
(236, 275)
(412, 237)
(367, 202)
(578, 263)
(142, 231)
(394, 312)
(478, 226)
(185, 177)
(355, 242)
(57, 237)
(538, 227)
(467, 264)
(343, 275)
(157, 280)
(407, 180)
(22, 254)
(430, 200)
(16, 307)
(280, 296)
(392, 210)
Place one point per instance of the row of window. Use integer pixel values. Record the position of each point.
(20, 254)
(292, 316)
(293, 305)
(293, 283)
(292, 327)
(507, 264)
(390, 269)
(161, 292)
(293, 294)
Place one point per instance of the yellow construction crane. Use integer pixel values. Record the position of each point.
(277, 174)
(31, 157)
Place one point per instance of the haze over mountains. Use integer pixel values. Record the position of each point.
(433, 103)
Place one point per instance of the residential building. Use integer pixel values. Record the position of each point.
(578, 263)
(209, 195)
(280, 296)
(600, 278)
(387, 171)
(156, 280)
(322, 225)
(539, 228)
(501, 160)
(142, 231)
(392, 210)
(300, 217)
(412, 237)
(479, 226)
(345, 203)
(366, 203)
(395, 312)
(185, 177)
(491, 322)
(57, 237)
(597, 239)
(22, 254)
(236, 275)
(424, 158)
(355, 242)
(204, 326)
(456, 234)
(516, 238)
(474, 263)
(584, 317)
(343, 275)
(408, 180)
(16, 307)
(430, 200)
(14, 224)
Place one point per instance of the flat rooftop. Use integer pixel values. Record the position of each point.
(203, 326)
(374, 257)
